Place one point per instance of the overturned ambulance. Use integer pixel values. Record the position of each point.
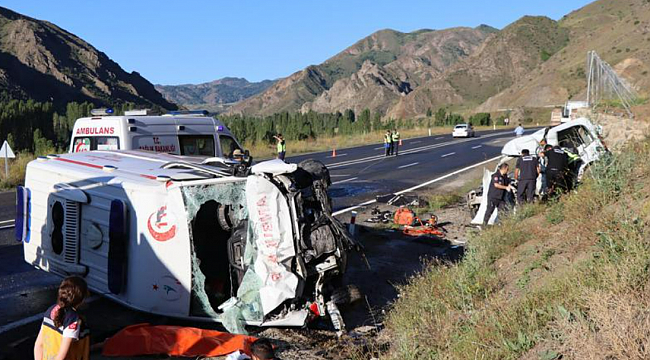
(206, 240)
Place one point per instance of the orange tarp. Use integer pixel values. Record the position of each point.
(145, 339)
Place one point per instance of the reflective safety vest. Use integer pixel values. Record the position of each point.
(282, 146)
(387, 139)
(396, 136)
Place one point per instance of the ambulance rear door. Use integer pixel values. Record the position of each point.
(97, 134)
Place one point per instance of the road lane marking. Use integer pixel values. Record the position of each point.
(337, 155)
(7, 221)
(476, 147)
(344, 181)
(383, 147)
(337, 175)
(7, 227)
(410, 151)
(409, 165)
(343, 211)
(416, 142)
(33, 318)
(450, 154)
(438, 138)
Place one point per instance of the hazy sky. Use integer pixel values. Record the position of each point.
(192, 41)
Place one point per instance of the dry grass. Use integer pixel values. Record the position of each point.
(575, 286)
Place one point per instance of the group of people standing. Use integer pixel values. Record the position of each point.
(554, 165)
(391, 142)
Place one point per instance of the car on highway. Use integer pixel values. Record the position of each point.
(463, 130)
(205, 240)
(189, 133)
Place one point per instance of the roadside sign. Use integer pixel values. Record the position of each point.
(7, 153)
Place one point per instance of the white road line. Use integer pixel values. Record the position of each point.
(415, 142)
(438, 138)
(409, 151)
(344, 181)
(7, 227)
(476, 147)
(450, 154)
(7, 221)
(379, 148)
(337, 175)
(343, 211)
(33, 318)
(409, 165)
(337, 155)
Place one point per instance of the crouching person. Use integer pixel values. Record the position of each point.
(499, 185)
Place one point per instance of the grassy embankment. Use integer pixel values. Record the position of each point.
(568, 278)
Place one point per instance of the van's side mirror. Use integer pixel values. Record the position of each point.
(247, 153)
(599, 129)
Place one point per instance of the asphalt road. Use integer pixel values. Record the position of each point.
(358, 174)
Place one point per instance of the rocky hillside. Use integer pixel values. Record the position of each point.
(214, 95)
(388, 64)
(41, 61)
(503, 59)
(619, 30)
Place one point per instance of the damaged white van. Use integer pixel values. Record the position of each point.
(164, 235)
(581, 136)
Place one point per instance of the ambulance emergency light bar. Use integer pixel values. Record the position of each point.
(189, 112)
(100, 112)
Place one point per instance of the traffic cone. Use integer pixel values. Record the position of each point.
(333, 152)
(400, 142)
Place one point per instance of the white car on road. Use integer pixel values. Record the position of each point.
(463, 130)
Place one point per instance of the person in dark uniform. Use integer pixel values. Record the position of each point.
(556, 169)
(499, 184)
(526, 172)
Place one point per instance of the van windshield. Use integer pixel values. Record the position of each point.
(197, 145)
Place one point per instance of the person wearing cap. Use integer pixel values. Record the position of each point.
(282, 146)
(526, 172)
(238, 155)
(499, 185)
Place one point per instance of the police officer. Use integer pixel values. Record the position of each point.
(556, 168)
(395, 139)
(526, 172)
(388, 142)
(282, 146)
(499, 184)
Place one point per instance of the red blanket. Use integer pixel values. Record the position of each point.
(144, 339)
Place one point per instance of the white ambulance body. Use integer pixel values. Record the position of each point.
(179, 134)
(164, 235)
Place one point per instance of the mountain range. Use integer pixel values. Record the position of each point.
(215, 95)
(41, 61)
(533, 62)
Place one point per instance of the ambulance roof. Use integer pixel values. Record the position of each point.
(142, 167)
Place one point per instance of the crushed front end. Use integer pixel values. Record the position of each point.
(274, 256)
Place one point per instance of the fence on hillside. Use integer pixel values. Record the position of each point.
(604, 85)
